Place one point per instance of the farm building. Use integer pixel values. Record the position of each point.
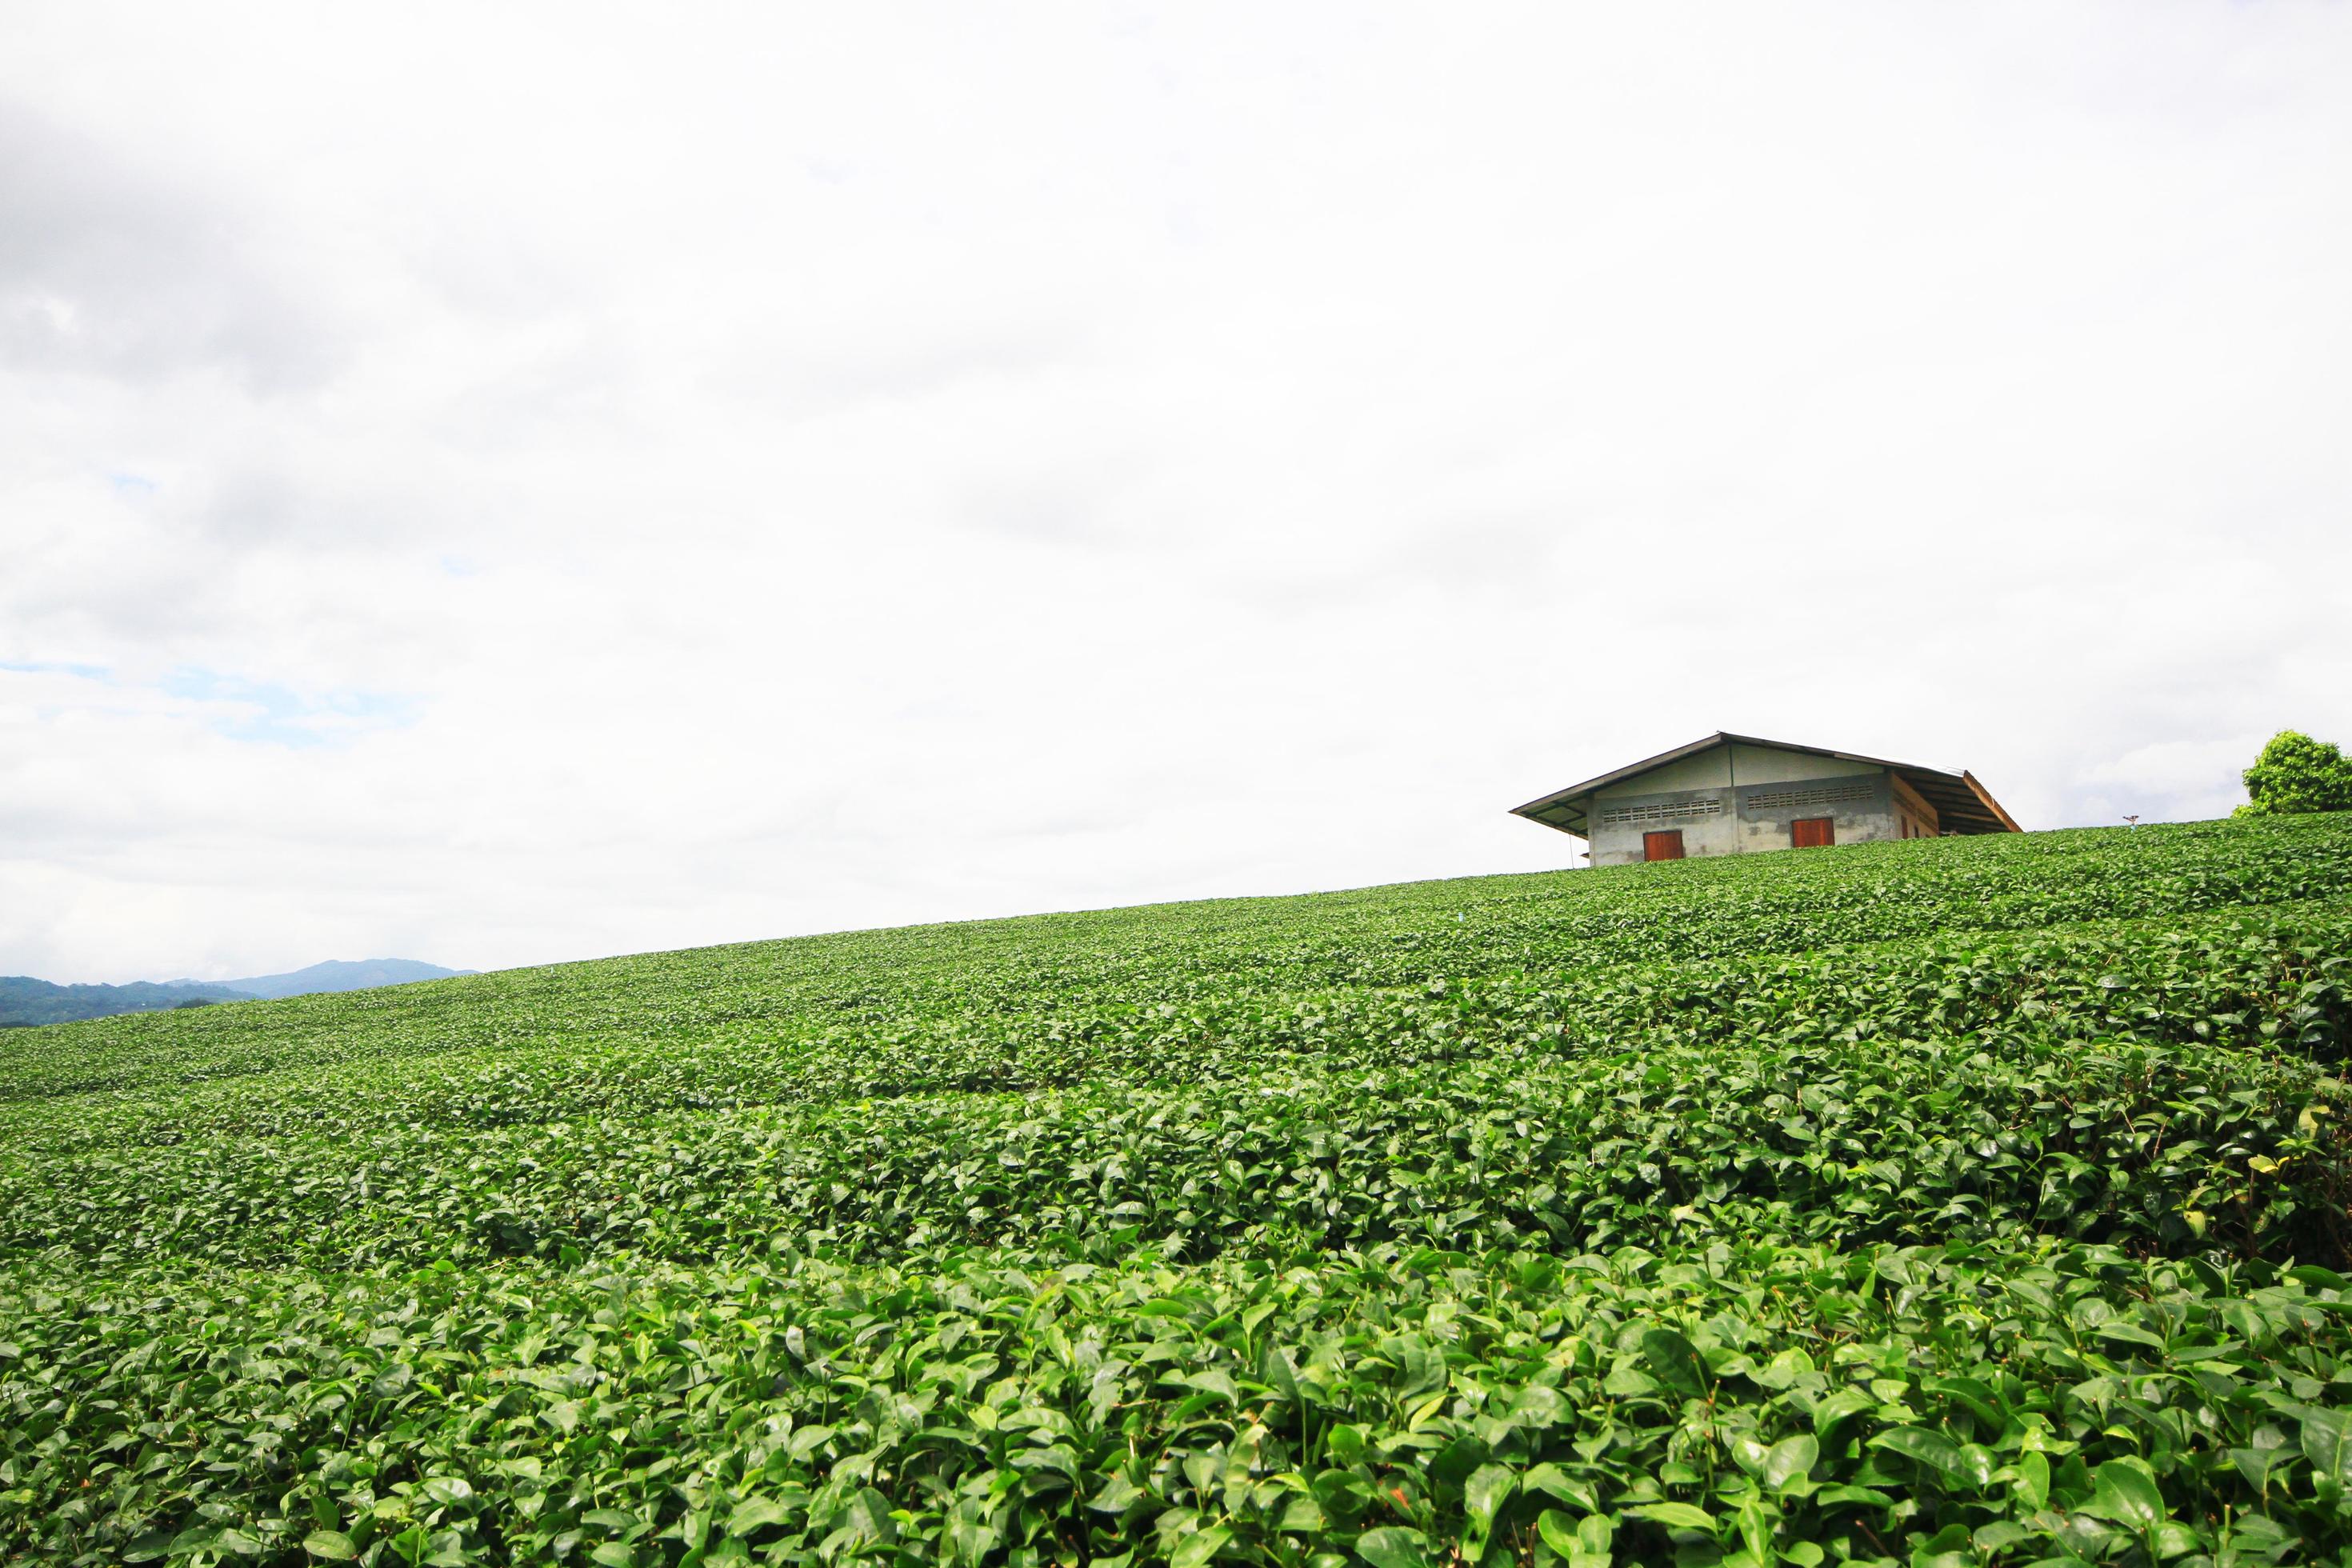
(1729, 795)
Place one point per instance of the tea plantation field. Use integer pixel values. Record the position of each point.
(1950, 1202)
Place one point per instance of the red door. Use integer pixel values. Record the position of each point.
(1665, 846)
(1812, 832)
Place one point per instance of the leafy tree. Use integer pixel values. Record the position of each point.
(2295, 773)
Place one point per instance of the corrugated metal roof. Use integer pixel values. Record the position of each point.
(1962, 804)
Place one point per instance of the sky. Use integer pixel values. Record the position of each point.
(497, 485)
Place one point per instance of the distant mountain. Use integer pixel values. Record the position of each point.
(340, 974)
(26, 1001)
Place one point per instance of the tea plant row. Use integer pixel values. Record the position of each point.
(1948, 1203)
(2168, 1085)
(1749, 1404)
(1555, 929)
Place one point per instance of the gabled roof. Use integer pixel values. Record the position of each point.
(1962, 804)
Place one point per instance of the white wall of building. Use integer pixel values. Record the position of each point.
(1725, 800)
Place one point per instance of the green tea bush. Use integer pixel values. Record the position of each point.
(1742, 1405)
(1945, 1202)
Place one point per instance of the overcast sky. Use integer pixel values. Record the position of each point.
(494, 485)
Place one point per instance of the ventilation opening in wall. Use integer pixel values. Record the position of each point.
(1818, 795)
(1664, 811)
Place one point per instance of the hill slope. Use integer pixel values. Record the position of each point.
(341, 974)
(1969, 1200)
(27, 1003)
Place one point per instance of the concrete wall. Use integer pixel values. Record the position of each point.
(1760, 764)
(1718, 816)
(1704, 770)
(1860, 804)
(1709, 818)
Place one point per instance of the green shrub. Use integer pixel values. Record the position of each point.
(2295, 773)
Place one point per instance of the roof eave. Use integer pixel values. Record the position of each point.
(1991, 805)
(1573, 820)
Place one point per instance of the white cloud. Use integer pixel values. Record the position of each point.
(754, 473)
